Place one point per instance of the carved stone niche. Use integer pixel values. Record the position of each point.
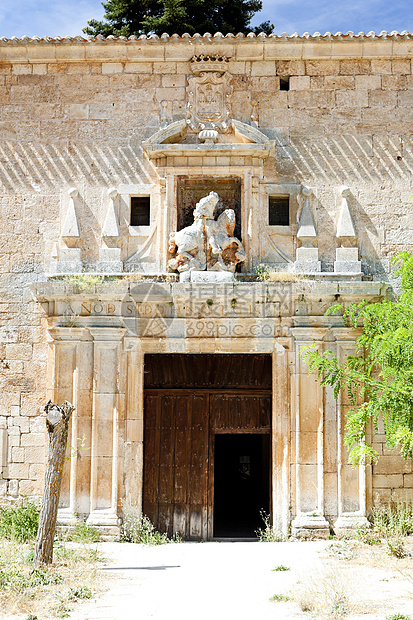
(208, 244)
(191, 190)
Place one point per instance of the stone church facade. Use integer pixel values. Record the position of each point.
(183, 365)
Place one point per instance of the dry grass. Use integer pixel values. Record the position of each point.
(266, 273)
(327, 593)
(49, 592)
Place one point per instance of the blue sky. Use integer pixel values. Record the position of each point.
(67, 17)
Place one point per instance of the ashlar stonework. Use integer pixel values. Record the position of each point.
(185, 385)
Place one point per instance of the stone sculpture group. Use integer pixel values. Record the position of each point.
(207, 244)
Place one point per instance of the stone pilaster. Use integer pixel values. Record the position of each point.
(73, 356)
(351, 482)
(133, 458)
(308, 440)
(107, 418)
(281, 428)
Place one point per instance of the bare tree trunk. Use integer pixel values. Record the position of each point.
(57, 422)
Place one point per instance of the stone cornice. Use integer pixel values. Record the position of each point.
(182, 48)
(207, 37)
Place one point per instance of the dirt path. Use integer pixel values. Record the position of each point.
(236, 580)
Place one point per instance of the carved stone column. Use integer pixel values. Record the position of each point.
(280, 441)
(351, 482)
(308, 442)
(72, 381)
(107, 426)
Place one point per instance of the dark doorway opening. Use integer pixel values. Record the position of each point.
(192, 403)
(241, 484)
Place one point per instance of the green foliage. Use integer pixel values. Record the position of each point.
(393, 519)
(85, 534)
(138, 528)
(395, 546)
(367, 536)
(280, 568)
(268, 533)
(136, 17)
(378, 379)
(266, 273)
(398, 617)
(12, 578)
(390, 523)
(80, 592)
(84, 281)
(279, 598)
(19, 522)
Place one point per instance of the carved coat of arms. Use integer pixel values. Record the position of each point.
(209, 105)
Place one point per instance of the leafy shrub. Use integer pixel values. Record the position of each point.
(393, 519)
(398, 617)
(280, 568)
(19, 522)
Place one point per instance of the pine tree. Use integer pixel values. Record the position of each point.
(136, 17)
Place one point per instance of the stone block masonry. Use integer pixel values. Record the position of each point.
(86, 125)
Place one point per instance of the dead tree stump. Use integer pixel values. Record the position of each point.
(57, 422)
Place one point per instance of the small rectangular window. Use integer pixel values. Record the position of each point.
(279, 211)
(140, 210)
(285, 83)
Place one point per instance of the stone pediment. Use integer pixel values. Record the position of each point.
(176, 140)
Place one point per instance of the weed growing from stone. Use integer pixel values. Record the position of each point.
(280, 568)
(266, 273)
(138, 528)
(83, 281)
(268, 533)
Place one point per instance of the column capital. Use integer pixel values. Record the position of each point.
(107, 333)
(69, 334)
(309, 334)
(349, 334)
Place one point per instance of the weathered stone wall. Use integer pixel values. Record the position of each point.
(75, 114)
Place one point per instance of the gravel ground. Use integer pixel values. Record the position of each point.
(225, 580)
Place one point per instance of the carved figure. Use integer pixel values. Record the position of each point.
(207, 244)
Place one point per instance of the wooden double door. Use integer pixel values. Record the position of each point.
(207, 461)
